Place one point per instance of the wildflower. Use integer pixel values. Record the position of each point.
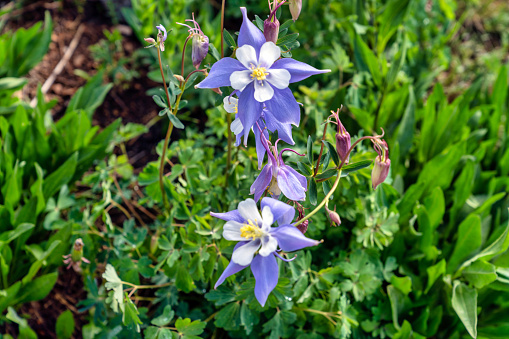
(261, 78)
(382, 163)
(343, 140)
(259, 242)
(200, 45)
(161, 38)
(75, 258)
(279, 178)
(295, 8)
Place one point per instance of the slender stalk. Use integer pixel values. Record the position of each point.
(183, 54)
(162, 75)
(222, 28)
(321, 149)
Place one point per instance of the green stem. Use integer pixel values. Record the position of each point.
(321, 149)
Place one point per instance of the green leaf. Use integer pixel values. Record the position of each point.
(279, 325)
(176, 122)
(60, 177)
(65, 325)
(213, 51)
(464, 302)
(287, 39)
(497, 247)
(327, 174)
(366, 60)
(38, 288)
(130, 317)
(184, 280)
(248, 318)
(229, 39)
(469, 240)
(188, 328)
(165, 318)
(159, 101)
(312, 192)
(228, 317)
(12, 83)
(310, 150)
(434, 272)
(304, 169)
(480, 273)
(355, 167)
(404, 284)
(114, 283)
(332, 152)
(406, 130)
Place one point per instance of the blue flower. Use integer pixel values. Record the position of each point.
(259, 242)
(262, 79)
(279, 178)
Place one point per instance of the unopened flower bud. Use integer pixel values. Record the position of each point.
(343, 142)
(380, 171)
(303, 227)
(154, 243)
(382, 164)
(200, 48)
(295, 8)
(150, 40)
(333, 216)
(271, 30)
(180, 78)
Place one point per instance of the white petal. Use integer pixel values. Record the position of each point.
(268, 219)
(269, 245)
(247, 56)
(249, 211)
(243, 255)
(240, 79)
(230, 104)
(236, 126)
(279, 78)
(268, 54)
(231, 231)
(263, 91)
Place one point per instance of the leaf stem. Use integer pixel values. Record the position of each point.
(321, 149)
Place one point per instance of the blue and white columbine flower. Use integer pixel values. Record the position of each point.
(262, 79)
(259, 242)
(279, 178)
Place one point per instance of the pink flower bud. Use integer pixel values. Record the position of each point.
(380, 171)
(295, 8)
(333, 216)
(382, 163)
(343, 142)
(271, 29)
(150, 40)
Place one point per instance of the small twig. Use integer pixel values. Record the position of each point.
(61, 64)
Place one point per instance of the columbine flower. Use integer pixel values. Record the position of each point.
(161, 38)
(75, 258)
(262, 80)
(259, 242)
(200, 42)
(382, 164)
(279, 178)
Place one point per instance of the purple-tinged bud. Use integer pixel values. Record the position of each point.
(150, 40)
(303, 227)
(200, 49)
(382, 164)
(343, 142)
(295, 8)
(333, 216)
(271, 30)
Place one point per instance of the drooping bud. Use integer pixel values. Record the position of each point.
(303, 227)
(382, 164)
(200, 49)
(333, 216)
(343, 140)
(295, 8)
(271, 29)
(150, 40)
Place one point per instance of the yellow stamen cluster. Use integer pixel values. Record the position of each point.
(251, 230)
(259, 73)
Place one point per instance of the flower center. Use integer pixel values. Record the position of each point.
(251, 230)
(259, 73)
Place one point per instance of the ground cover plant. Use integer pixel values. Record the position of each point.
(314, 170)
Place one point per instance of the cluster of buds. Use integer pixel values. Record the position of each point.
(382, 163)
(200, 45)
(271, 24)
(75, 258)
(161, 38)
